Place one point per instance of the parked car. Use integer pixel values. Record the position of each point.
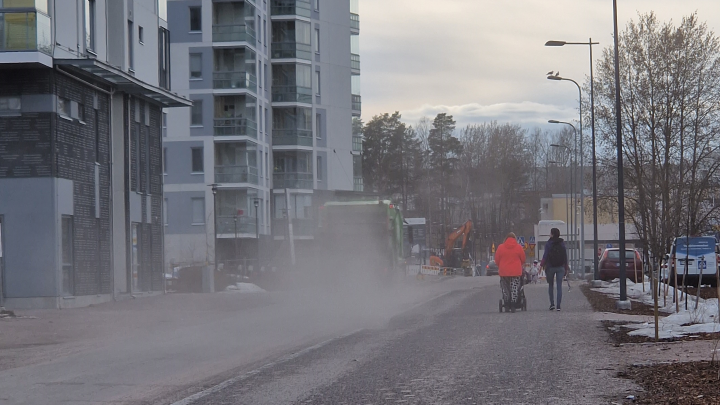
(609, 266)
(492, 269)
(690, 255)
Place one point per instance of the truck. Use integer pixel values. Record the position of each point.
(362, 236)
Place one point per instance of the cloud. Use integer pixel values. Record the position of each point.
(527, 114)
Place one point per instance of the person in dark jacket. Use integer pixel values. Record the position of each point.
(555, 263)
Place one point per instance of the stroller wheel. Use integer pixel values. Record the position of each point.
(500, 306)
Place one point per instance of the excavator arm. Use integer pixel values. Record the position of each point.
(465, 230)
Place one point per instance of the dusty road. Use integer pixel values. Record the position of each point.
(162, 349)
(455, 350)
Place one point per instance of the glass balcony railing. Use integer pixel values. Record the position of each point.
(299, 137)
(358, 184)
(231, 224)
(236, 174)
(356, 102)
(291, 7)
(354, 21)
(235, 80)
(29, 31)
(357, 143)
(233, 33)
(355, 61)
(293, 180)
(235, 127)
(291, 50)
(292, 94)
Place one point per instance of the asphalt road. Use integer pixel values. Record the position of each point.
(455, 349)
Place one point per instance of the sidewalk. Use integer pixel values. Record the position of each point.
(150, 347)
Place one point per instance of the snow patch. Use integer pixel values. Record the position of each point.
(244, 288)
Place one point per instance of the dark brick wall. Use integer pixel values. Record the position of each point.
(76, 161)
(25, 143)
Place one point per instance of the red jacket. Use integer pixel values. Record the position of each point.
(510, 257)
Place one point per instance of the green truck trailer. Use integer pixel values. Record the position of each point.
(366, 236)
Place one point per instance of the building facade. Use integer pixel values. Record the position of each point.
(82, 92)
(275, 88)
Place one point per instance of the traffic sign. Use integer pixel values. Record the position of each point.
(521, 240)
(532, 240)
(702, 265)
(493, 248)
(609, 245)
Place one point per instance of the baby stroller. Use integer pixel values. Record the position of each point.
(513, 294)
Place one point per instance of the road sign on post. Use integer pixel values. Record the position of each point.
(532, 240)
(521, 240)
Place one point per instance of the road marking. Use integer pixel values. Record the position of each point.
(217, 388)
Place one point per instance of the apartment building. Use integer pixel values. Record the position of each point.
(83, 85)
(275, 88)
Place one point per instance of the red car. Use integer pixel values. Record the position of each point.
(609, 266)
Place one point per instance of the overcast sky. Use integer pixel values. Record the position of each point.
(483, 60)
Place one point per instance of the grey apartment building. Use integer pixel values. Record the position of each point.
(83, 87)
(275, 86)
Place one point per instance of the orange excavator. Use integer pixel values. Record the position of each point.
(452, 258)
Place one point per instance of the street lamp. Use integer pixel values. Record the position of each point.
(623, 303)
(214, 187)
(573, 218)
(590, 43)
(256, 202)
(582, 177)
(567, 201)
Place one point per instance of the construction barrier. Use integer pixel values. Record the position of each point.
(420, 271)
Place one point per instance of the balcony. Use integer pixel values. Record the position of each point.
(354, 21)
(292, 137)
(291, 50)
(356, 102)
(355, 61)
(231, 225)
(357, 143)
(233, 33)
(293, 180)
(27, 31)
(292, 94)
(291, 7)
(234, 80)
(235, 127)
(236, 174)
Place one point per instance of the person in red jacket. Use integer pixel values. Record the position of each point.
(510, 257)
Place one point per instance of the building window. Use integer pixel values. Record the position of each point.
(164, 162)
(198, 165)
(10, 106)
(67, 255)
(317, 82)
(141, 36)
(317, 40)
(131, 51)
(318, 126)
(195, 19)
(81, 112)
(164, 58)
(319, 168)
(195, 66)
(198, 211)
(90, 25)
(164, 124)
(63, 107)
(317, 5)
(196, 115)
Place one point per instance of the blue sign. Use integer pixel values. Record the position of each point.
(521, 240)
(702, 265)
(609, 246)
(532, 240)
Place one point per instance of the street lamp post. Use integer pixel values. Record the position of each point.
(214, 187)
(256, 202)
(581, 179)
(590, 43)
(573, 217)
(624, 303)
(567, 201)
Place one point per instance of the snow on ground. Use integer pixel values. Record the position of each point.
(244, 288)
(688, 322)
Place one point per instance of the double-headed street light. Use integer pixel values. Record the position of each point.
(582, 185)
(590, 43)
(573, 217)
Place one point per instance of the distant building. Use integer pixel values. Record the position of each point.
(83, 85)
(275, 86)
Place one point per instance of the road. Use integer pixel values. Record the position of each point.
(425, 343)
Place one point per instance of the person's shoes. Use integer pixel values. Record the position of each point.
(552, 307)
(558, 308)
